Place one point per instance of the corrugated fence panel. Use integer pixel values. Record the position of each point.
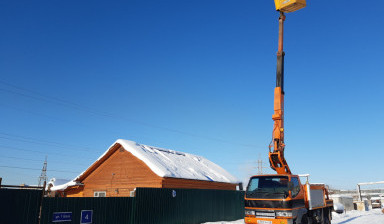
(187, 206)
(105, 210)
(19, 206)
(153, 205)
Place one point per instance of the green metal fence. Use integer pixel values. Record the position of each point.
(104, 210)
(187, 206)
(19, 206)
(152, 205)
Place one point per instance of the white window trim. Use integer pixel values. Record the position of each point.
(97, 193)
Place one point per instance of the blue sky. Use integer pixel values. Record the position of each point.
(194, 76)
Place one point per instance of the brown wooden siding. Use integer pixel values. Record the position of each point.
(75, 192)
(196, 184)
(120, 174)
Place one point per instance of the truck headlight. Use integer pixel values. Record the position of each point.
(249, 212)
(284, 214)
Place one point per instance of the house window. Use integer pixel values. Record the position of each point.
(99, 194)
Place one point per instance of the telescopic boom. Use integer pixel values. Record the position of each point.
(277, 146)
(276, 156)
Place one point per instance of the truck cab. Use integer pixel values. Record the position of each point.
(282, 199)
(274, 199)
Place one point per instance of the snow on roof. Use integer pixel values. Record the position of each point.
(55, 181)
(62, 184)
(170, 163)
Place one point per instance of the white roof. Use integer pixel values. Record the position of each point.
(170, 163)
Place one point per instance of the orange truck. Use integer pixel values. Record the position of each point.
(281, 198)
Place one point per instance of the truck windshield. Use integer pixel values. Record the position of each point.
(268, 187)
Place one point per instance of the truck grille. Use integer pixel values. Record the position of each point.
(268, 215)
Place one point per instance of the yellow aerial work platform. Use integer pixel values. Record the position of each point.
(289, 5)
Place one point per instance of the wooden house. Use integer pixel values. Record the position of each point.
(127, 165)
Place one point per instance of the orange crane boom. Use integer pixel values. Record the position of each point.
(276, 148)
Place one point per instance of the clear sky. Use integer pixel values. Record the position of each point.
(194, 76)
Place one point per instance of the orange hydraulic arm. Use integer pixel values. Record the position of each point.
(276, 156)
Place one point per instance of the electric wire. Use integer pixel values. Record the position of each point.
(57, 101)
(25, 168)
(39, 160)
(44, 142)
(5, 147)
(66, 103)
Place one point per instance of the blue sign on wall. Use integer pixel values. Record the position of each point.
(62, 217)
(86, 216)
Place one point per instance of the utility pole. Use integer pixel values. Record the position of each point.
(260, 166)
(43, 175)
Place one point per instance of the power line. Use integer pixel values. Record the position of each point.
(48, 99)
(238, 162)
(43, 142)
(66, 103)
(25, 168)
(37, 93)
(26, 150)
(35, 151)
(38, 160)
(36, 139)
(39, 143)
(60, 119)
(11, 157)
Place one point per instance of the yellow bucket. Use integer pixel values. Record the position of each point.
(289, 5)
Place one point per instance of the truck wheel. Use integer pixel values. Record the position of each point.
(304, 219)
(327, 216)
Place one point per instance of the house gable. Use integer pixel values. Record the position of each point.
(119, 173)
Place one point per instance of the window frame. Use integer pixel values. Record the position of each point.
(296, 188)
(96, 194)
(252, 192)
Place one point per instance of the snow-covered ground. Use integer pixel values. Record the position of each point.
(374, 216)
(352, 217)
